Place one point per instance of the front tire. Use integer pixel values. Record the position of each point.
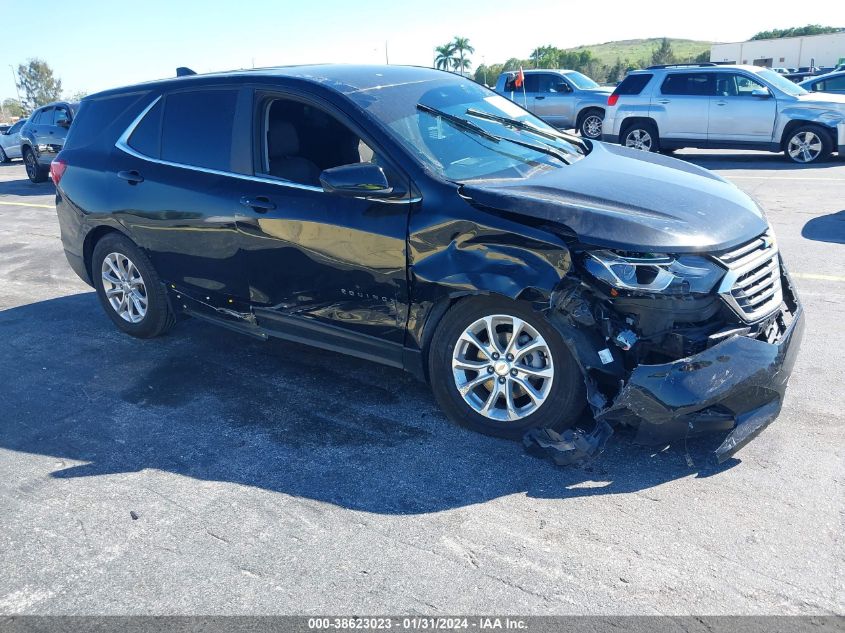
(34, 171)
(129, 288)
(3, 157)
(500, 368)
(808, 144)
(641, 136)
(590, 124)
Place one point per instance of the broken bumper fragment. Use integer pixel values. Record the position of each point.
(737, 385)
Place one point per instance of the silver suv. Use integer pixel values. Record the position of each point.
(565, 99)
(730, 107)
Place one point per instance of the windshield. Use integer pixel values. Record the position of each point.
(581, 81)
(781, 83)
(457, 152)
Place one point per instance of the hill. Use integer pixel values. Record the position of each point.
(637, 50)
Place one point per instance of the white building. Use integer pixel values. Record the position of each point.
(789, 52)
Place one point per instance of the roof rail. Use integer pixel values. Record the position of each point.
(184, 71)
(691, 64)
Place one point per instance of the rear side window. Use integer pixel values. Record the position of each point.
(696, 84)
(197, 128)
(632, 84)
(146, 137)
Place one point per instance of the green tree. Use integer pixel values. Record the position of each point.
(13, 108)
(463, 49)
(512, 64)
(663, 54)
(795, 31)
(445, 57)
(39, 86)
(79, 95)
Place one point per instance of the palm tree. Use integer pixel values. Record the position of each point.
(461, 45)
(445, 57)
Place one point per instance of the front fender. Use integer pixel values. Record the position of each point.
(828, 117)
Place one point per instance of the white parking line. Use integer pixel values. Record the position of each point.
(817, 277)
(731, 177)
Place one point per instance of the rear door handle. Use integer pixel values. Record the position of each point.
(663, 101)
(132, 176)
(538, 98)
(721, 103)
(259, 204)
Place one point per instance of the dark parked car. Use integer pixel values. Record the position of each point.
(415, 218)
(43, 136)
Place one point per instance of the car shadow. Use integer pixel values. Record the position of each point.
(753, 160)
(826, 228)
(214, 405)
(24, 187)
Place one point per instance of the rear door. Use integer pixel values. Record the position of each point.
(554, 100)
(681, 105)
(175, 184)
(737, 113)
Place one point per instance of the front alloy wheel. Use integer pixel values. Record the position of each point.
(503, 367)
(124, 287)
(805, 146)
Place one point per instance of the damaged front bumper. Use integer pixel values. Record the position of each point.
(736, 385)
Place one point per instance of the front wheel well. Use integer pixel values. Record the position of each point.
(585, 111)
(794, 125)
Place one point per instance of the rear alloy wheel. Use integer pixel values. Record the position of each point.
(33, 169)
(808, 144)
(500, 368)
(129, 289)
(641, 136)
(591, 125)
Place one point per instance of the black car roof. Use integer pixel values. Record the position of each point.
(344, 78)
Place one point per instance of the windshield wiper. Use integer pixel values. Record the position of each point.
(523, 125)
(475, 129)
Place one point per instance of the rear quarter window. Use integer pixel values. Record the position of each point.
(99, 120)
(197, 128)
(633, 84)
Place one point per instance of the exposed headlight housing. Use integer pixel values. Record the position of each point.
(656, 273)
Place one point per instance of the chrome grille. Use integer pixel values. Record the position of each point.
(752, 284)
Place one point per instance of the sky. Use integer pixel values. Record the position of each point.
(93, 45)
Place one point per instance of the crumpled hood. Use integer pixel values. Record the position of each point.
(630, 200)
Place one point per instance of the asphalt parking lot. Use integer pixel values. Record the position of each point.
(207, 473)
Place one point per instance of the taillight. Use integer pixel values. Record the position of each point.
(612, 99)
(57, 170)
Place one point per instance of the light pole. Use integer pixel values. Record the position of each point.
(17, 89)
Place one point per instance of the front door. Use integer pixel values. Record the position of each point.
(740, 112)
(554, 100)
(322, 266)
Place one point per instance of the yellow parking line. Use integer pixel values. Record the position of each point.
(817, 277)
(28, 204)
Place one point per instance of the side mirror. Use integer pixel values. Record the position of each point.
(365, 180)
(761, 93)
(65, 123)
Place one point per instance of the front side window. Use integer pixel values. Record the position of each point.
(551, 84)
(780, 82)
(300, 141)
(690, 84)
(581, 81)
(735, 85)
(196, 128)
(60, 115)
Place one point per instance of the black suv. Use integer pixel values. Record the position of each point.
(415, 218)
(43, 136)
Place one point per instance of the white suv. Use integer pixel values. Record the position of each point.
(730, 107)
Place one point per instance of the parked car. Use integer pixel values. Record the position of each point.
(415, 218)
(829, 83)
(43, 136)
(10, 142)
(564, 99)
(739, 107)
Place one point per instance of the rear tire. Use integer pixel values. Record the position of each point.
(34, 171)
(589, 123)
(642, 136)
(501, 405)
(129, 288)
(807, 144)
(3, 157)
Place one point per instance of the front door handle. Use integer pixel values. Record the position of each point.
(663, 101)
(132, 176)
(259, 204)
(721, 103)
(538, 98)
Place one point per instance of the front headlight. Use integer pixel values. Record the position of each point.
(654, 272)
